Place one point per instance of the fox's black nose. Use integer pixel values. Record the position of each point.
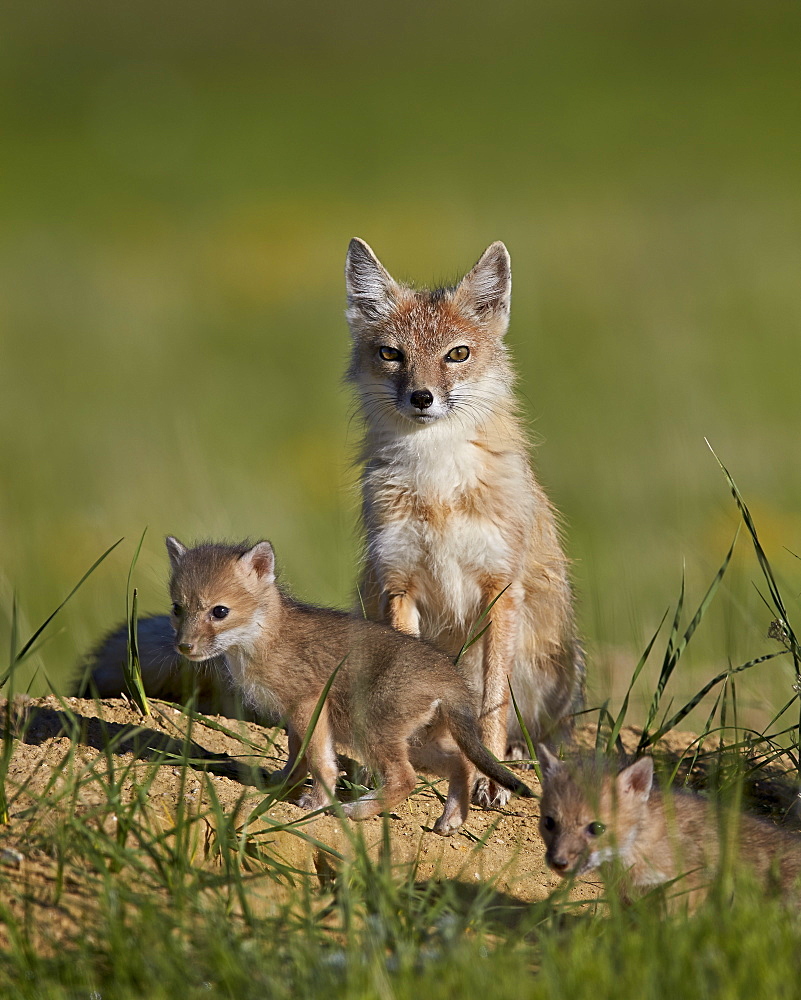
(421, 398)
(558, 864)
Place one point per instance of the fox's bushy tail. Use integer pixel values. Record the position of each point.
(463, 726)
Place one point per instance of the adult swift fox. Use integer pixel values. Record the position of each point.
(593, 819)
(453, 516)
(395, 702)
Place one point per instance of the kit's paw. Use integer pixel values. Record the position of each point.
(311, 801)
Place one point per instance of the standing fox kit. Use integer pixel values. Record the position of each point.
(396, 703)
(590, 819)
(453, 516)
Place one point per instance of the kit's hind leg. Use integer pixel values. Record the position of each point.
(449, 762)
(397, 781)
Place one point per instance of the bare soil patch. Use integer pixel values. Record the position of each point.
(107, 743)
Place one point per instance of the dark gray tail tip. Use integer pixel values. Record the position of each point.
(525, 792)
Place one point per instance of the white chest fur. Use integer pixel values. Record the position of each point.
(434, 516)
(246, 680)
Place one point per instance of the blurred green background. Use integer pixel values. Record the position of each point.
(179, 185)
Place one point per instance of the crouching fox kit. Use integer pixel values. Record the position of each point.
(453, 516)
(396, 703)
(590, 819)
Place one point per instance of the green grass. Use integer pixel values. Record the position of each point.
(746, 949)
(165, 904)
(179, 191)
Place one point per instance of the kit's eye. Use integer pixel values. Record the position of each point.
(596, 829)
(458, 354)
(549, 822)
(219, 611)
(390, 354)
(176, 610)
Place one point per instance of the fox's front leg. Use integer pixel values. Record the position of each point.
(320, 757)
(399, 609)
(296, 767)
(500, 640)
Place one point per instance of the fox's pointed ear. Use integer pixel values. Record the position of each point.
(260, 560)
(487, 288)
(637, 778)
(550, 764)
(175, 550)
(368, 283)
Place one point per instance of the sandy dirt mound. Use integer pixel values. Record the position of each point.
(58, 739)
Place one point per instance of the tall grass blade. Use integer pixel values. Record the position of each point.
(764, 565)
(217, 726)
(735, 713)
(5, 755)
(785, 708)
(614, 736)
(698, 741)
(131, 568)
(668, 663)
(526, 736)
(21, 654)
(782, 628)
(14, 636)
(649, 739)
(132, 666)
(318, 708)
(604, 718)
(37, 648)
(675, 647)
(475, 634)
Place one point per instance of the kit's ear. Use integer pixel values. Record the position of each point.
(550, 764)
(260, 559)
(636, 779)
(175, 550)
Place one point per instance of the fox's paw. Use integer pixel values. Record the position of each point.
(446, 825)
(488, 795)
(286, 776)
(310, 801)
(364, 808)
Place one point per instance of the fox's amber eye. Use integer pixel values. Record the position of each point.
(596, 829)
(219, 611)
(389, 354)
(548, 822)
(176, 610)
(458, 354)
